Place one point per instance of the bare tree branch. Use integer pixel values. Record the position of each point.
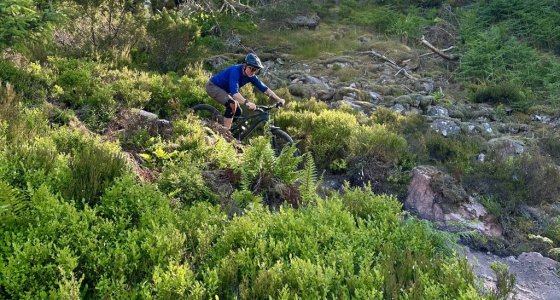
(391, 63)
(442, 50)
(436, 50)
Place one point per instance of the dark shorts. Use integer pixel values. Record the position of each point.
(217, 92)
(220, 95)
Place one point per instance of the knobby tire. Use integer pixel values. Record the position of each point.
(209, 112)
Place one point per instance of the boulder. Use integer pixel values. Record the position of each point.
(310, 22)
(438, 111)
(308, 90)
(446, 127)
(504, 147)
(436, 196)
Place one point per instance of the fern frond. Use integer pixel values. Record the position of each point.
(308, 188)
(286, 165)
(12, 204)
(258, 160)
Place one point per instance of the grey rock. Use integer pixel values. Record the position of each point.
(445, 127)
(399, 108)
(310, 22)
(504, 147)
(438, 111)
(145, 115)
(375, 98)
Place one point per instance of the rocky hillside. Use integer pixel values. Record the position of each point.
(418, 124)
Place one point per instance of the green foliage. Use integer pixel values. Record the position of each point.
(455, 152)
(553, 230)
(309, 183)
(379, 18)
(338, 166)
(170, 35)
(528, 20)
(183, 180)
(107, 29)
(493, 55)
(310, 252)
(550, 143)
(13, 206)
(24, 19)
(175, 281)
(32, 87)
(332, 135)
(513, 183)
(92, 170)
(501, 93)
(541, 178)
(505, 281)
(362, 203)
(554, 253)
(261, 167)
(189, 135)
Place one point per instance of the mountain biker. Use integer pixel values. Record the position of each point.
(224, 87)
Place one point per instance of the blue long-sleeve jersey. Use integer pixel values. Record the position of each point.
(232, 79)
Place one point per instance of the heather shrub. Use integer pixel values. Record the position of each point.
(182, 180)
(457, 153)
(505, 280)
(32, 87)
(334, 135)
(552, 230)
(93, 169)
(170, 35)
(264, 254)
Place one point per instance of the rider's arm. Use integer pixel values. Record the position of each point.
(273, 95)
(241, 100)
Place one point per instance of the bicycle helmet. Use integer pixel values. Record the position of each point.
(253, 61)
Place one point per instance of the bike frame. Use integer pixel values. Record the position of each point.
(261, 117)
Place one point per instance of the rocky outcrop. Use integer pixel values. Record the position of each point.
(536, 276)
(436, 196)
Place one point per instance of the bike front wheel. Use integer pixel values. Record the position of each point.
(280, 139)
(209, 112)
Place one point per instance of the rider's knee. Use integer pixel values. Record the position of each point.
(232, 109)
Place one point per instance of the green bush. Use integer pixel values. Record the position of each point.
(32, 87)
(380, 18)
(171, 35)
(334, 135)
(505, 280)
(553, 230)
(525, 19)
(493, 55)
(264, 254)
(93, 169)
(261, 169)
(183, 180)
(501, 93)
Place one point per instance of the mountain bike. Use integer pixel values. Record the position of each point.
(245, 125)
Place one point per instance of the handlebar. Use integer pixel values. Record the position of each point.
(268, 107)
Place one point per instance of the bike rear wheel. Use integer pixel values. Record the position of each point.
(209, 112)
(280, 139)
